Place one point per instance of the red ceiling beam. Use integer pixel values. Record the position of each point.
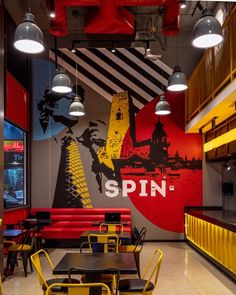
(110, 17)
(171, 18)
(140, 2)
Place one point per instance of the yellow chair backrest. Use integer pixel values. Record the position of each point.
(153, 268)
(102, 238)
(111, 227)
(35, 258)
(81, 289)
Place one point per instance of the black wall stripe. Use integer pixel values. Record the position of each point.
(152, 65)
(121, 71)
(119, 83)
(132, 64)
(87, 74)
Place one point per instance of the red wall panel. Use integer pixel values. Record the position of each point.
(15, 216)
(17, 103)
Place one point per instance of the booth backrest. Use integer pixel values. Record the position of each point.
(80, 214)
(69, 223)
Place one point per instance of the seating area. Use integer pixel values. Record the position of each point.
(96, 264)
(67, 224)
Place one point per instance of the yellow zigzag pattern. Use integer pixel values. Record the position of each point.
(76, 180)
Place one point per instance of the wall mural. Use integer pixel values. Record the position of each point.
(146, 158)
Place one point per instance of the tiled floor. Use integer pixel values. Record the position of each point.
(183, 272)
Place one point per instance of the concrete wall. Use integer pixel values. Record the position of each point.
(212, 183)
(229, 201)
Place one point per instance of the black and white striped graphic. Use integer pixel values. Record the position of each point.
(108, 73)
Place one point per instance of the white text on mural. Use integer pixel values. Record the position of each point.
(112, 189)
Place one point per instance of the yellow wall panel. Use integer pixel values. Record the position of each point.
(218, 242)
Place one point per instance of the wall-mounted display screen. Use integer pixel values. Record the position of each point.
(14, 166)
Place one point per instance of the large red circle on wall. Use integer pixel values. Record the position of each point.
(180, 183)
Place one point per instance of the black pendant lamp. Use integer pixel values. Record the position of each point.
(76, 107)
(162, 107)
(207, 31)
(177, 81)
(61, 82)
(28, 36)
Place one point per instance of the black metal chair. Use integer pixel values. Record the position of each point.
(147, 283)
(136, 248)
(24, 250)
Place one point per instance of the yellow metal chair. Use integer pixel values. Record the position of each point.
(105, 239)
(109, 243)
(97, 275)
(46, 283)
(111, 227)
(75, 289)
(136, 248)
(147, 283)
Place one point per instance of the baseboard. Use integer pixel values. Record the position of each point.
(62, 243)
(75, 243)
(165, 241)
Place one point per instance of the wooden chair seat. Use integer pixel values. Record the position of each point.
(58, 288)
(19, 247)
(129, 248)
(134, 285)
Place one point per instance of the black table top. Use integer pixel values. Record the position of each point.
(13, 233)
(124, 262)
(124, 223)
(124, 235)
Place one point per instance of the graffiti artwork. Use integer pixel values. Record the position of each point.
(145, 158)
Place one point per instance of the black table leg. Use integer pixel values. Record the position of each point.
(94, 277)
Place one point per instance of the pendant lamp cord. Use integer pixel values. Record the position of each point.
(76, 82)
(29, 6)
(55, 47)
(176, 46)
(162, 83)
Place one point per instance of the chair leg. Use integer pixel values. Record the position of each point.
(11, 262)
(24, 256)
(137, 260)
(39, 243)
(30, 262)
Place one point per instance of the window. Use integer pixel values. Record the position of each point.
(14, 166)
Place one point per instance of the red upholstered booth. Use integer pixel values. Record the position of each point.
(69, 223)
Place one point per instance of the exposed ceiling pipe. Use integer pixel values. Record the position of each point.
(171, 18)
(109, 16)
(58, 25)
